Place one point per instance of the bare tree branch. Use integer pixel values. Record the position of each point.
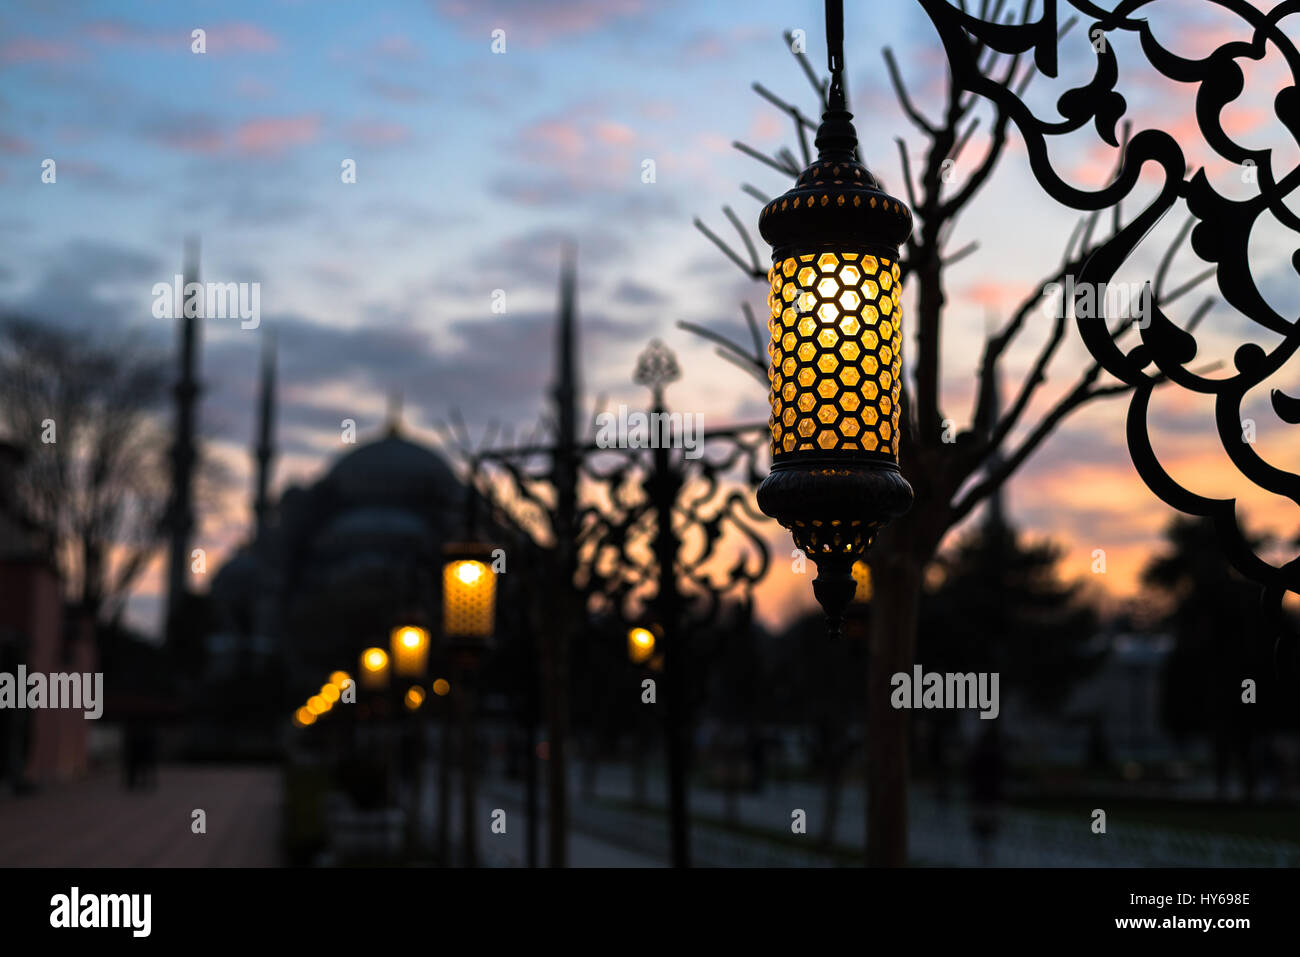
(961, 254)
(779, 165)
(819, 85)
(1167, 260)
(753, 363)
(905, 100)
(907, 171)
(802, 124)
(750, 268)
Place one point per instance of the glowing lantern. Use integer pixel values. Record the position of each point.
(835, 348)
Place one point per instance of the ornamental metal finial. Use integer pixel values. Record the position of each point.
(656, 367)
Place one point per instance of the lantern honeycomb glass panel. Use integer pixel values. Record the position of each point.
(836, 347)
(469, 599)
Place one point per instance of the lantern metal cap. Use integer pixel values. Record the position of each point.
(836, 200)
(468, 551)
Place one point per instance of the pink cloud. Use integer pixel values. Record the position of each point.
(575, 151)
(275, 134)
(231, 37)
(117, 32)
(659, 109)
(239, 37)
(767, 125)
(33, 50)
(529, 22)
(265, 136)
(615, 134)
(14, 145)
(559, 140)
(995, 295)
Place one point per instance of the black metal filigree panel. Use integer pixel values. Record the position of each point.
(1221, 235)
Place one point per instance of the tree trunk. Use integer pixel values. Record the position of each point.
(896, 595)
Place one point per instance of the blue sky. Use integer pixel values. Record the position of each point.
(472, 167)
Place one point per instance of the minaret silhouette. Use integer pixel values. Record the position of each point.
(265, 450)
(566, 388)
(556, 640)
(180, 514)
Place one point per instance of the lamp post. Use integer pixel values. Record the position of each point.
(468, 624)
(642, 645)
(835, 350)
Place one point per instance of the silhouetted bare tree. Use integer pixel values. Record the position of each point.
(94, 476)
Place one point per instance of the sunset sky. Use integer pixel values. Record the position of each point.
(472, 167)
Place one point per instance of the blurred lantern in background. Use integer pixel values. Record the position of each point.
(330, 693)
(410, 650)
(442, 687)
(469, 591)
(374, 668)
(640, 645)
(340, 679)
(414, 698)
(835, 349)
(303, 717)
(862, 579)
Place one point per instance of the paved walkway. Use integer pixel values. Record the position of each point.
(509, 849)
(97, 823)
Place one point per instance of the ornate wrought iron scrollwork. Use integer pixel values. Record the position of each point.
(722, 554)
(1221, 235)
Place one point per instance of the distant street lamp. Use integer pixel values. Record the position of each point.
(469, 595)
(409, 645)
(836, 344)
(374, 668)
(414, 698)
(640, 645)
(862, 583)
(469, 590)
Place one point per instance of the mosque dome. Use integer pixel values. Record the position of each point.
(372, 526)
(394, 471)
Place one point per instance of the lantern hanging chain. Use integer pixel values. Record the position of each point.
(835, 54)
